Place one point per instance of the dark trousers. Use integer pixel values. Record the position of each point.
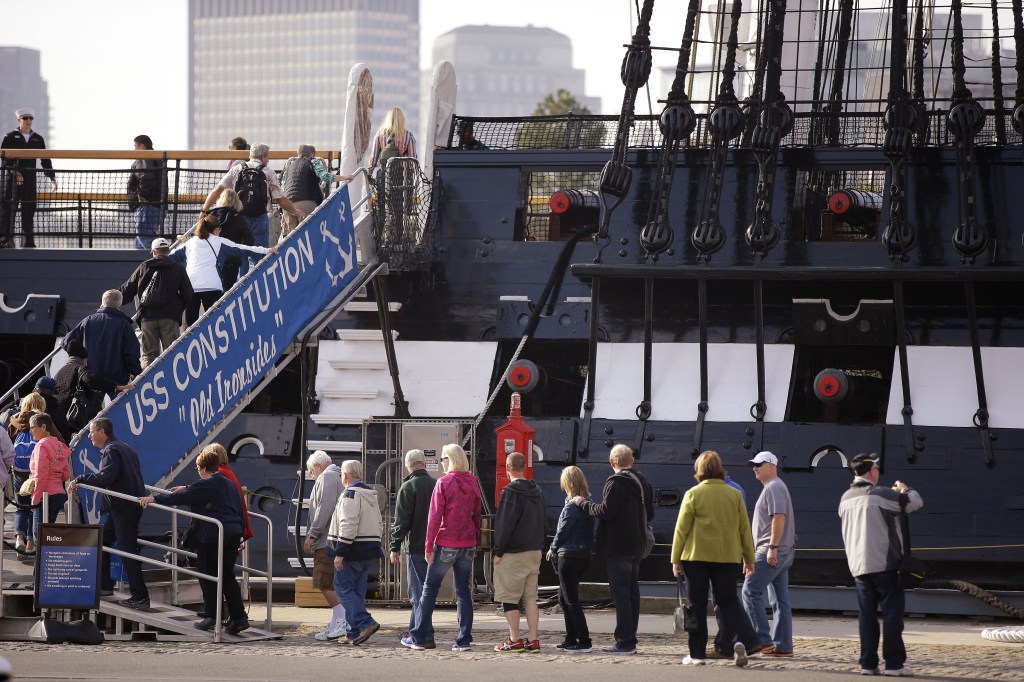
(206, 562)
(624, 584)
(206, 299)
(881, 591)
(746, 633)
(15, 196)
(722, 580)
(122, 526)
(570, 569)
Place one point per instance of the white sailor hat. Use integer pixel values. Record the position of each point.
(25, 112)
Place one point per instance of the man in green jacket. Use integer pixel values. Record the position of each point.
(409, 531)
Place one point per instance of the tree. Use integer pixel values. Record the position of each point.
(559, 104)
(537, 135)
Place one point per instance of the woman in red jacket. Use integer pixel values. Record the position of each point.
(50, 466)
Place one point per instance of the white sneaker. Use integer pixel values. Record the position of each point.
(870, 671)
(740, 657)
(694, 661)
(334, 630)
(902, 672)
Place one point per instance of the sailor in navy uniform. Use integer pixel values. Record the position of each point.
(19, 180)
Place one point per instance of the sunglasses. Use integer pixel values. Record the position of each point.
(758, 465)
(27, 118)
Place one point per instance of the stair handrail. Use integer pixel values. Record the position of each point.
(218, 626)
(245, 567)
(42, 364)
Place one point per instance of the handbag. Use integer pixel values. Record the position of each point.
(28, 488)
(911, 569)
(685, 618)
(648, 528)
(85, 404)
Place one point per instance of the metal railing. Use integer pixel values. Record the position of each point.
(247, 570)
(219, 579)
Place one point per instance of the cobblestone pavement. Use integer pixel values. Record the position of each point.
(663, 652)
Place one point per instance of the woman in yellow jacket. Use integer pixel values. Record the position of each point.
(712, 538)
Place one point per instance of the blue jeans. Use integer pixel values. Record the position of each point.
(623, 582)
(260, 226)
(874, 591)
(350, 585)
(22, 517)
(416, 567)
(460, 559)
(147, 221)
(56, 503)
(776, 579)
(122, 527)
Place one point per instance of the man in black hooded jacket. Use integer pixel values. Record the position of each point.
(164, 290)
(627, 507)
(518, 539)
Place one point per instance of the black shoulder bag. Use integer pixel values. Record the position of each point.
(911, 570)
(686, 620)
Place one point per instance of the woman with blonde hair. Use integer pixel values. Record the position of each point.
(228, 211)
(392, 136)
(712, 539)
(573, 547)
(453, 529)
(202, 257)
(24, 445)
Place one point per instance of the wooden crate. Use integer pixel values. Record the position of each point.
(308, 596)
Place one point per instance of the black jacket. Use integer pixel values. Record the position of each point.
(301, 182)
(67, 377)
(177, 284)
(147, 183)
(233, 227)
(120, 471)
(621, 515)
(15, 140)
(409, 531)
(521, 520)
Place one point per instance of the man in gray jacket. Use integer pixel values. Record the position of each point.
(322, 501)
(874, 548)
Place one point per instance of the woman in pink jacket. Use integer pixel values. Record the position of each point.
(50, 466)
(453, 527)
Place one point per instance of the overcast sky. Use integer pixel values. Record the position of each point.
(116, 68)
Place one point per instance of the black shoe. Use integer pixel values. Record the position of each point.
(581, 648)
(366, 633)
(204, 624)
(564, 644)
(106, 593)
(235, 626)
(140, 604)
(430, 644)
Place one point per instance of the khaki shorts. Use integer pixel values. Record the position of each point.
(515, 577)
(323, 570)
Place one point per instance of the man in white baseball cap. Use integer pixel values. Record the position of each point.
(18, 180)
(774, 530)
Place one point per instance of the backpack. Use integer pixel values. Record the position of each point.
(390, 151)
(23, 447)
(154, 294)
(253, 190)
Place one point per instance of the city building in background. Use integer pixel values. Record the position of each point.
(276, 71)
(508, 70)
(22, 85)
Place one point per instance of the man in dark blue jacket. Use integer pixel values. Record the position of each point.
(119, 472)
(109, 337)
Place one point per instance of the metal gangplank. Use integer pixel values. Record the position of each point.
(164, 620)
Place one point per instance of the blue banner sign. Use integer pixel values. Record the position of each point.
(68, 566)
(179, 398)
